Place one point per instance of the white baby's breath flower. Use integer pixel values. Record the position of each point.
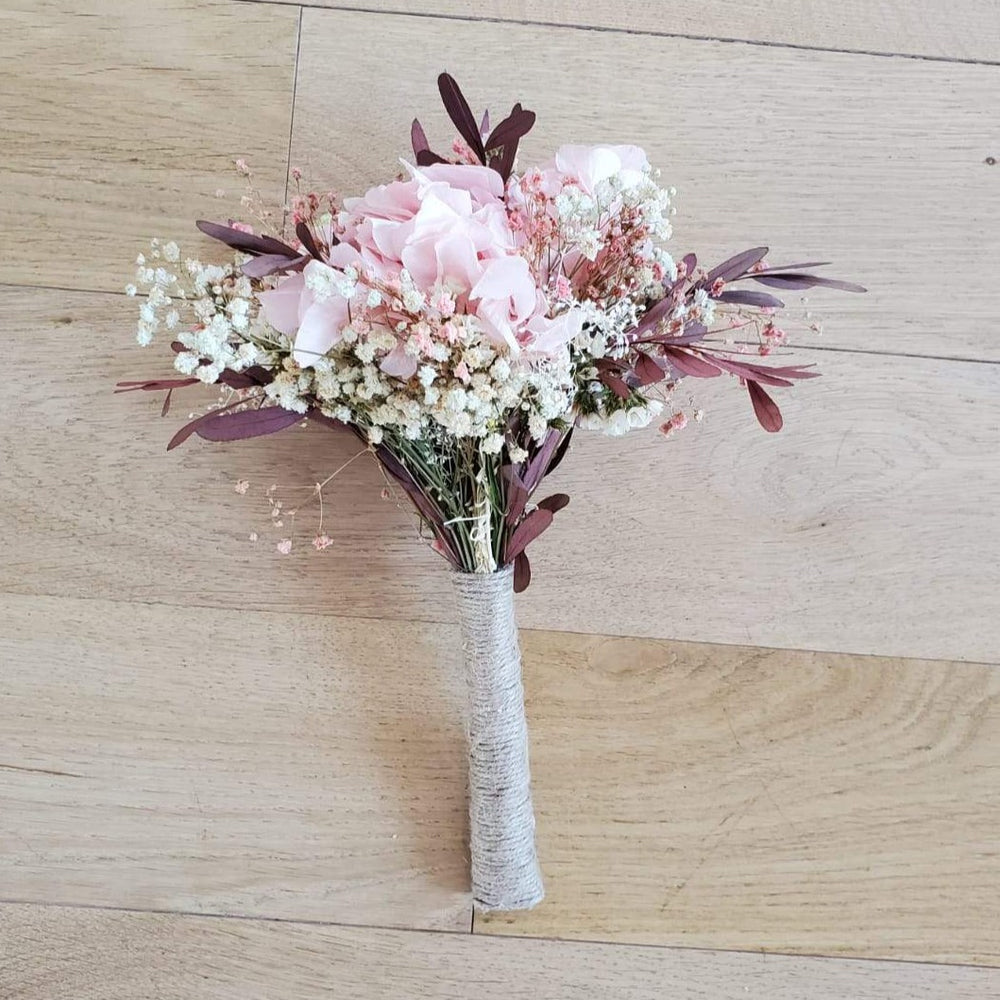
(492, 444)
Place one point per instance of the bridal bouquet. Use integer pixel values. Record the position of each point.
(463, 321)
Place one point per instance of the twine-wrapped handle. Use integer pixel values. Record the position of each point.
(505, 873)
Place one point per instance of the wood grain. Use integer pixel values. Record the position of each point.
(967, 29)
(94, 955)
(868, 525)
(301, 767)
(236, 762)
(877, 165)
(121, 120)
(747, 798)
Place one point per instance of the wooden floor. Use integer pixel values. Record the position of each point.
(765, 724)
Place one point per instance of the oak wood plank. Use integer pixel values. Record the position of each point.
(306, 767)
(106, 955)
(876, 165)
(235, 762)
(701, 795)
(122, 120)
(967, 29)
(868, 525)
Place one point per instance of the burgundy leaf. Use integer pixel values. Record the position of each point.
(691, 364)
(318, 416)
(247, 423)
(272, 263)
(527, 531)
(768, 414)
(653, 315)
(610, 365)
(261, 375)
(154, 385)
(735, 266)
(517, 494)
(506, 137)
(793, 267)
(555, 503)
(560, 452)
(676, 339)
(793, 371)
(431, 515)
(647, 370)
(512, 129)
(690, 262)
(460, 114)
(748, 297)
(237, 380)
(799, 281)
(246, 242)
(539, 464)
(484, 124)
(418, 138)
(616, 385)
(189, 428)
(425, 158)
(522, 573)
(165, 409)
(503, 162)
(396, 469)
(751, 372)
(307, 239)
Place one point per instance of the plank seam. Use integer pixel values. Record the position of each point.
(645, 945)
(291, 115)
(607, 29)
(524, 630)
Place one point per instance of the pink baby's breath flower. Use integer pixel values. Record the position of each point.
(321, 542)
(445, 303)
(243, 227)
(284, 546)
(563, 288)
(461, 149)
(296, 174)
(676, 423)
(462, 372)
(243, 167)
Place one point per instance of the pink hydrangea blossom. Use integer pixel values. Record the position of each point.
(447, 228)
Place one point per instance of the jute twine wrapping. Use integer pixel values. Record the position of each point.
(505, 873)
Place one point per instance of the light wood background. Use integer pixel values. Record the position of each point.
(760, 670)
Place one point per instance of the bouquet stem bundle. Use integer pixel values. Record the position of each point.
(505, 872)
(464, 321)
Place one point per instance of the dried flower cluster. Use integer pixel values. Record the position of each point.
(462, 320)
